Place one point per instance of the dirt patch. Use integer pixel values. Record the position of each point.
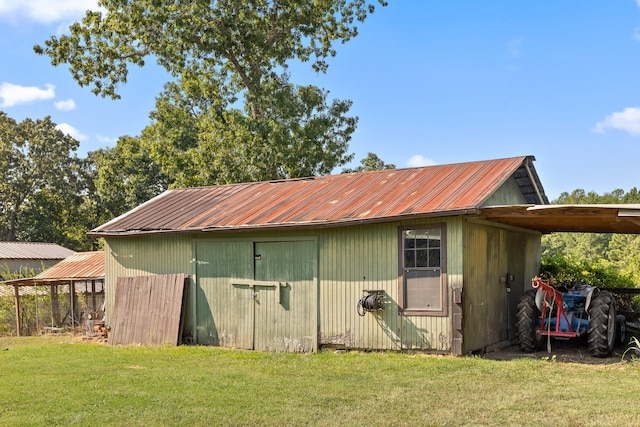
(571, 351)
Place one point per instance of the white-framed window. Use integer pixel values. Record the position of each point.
(422, 265)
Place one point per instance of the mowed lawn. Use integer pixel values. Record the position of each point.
(59, 381)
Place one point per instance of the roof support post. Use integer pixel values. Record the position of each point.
(93, 296)
(17, 299)
(72, 296)
(55, 307)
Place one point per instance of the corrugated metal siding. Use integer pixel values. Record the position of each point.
(366, 257)
(351, 259)
(224, 313)
(258, 294)
(366, 196)
(509, 194)
(143, 256)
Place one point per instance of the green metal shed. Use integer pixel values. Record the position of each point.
(283, 265)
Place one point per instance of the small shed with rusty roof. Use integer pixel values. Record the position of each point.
(74, 286)
(391, 259)
(17, 256)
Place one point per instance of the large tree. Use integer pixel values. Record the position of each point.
(231, 113)
(124, 177)
(370, 163)
(38, 179)
(195, 141)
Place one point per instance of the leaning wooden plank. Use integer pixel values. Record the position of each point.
(140, 333)
(148, 309)
(119, 319)
(167, 309)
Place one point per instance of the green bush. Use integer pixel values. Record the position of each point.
(567, 271)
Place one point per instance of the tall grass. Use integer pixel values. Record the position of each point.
(53, 381)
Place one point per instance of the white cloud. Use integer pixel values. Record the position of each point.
(106, 140)
(13, 94)
(71, 131)
(419, 160)
(627, 120)
(67, 105)
(45, 11)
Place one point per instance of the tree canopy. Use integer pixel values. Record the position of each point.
(601, 250)
(40, 181)
(231, 112)
(242, 46)
(370, 163)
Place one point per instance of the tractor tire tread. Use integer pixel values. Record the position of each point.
(598, 333)
(526, 320)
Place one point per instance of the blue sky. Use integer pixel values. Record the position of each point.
(432, 83)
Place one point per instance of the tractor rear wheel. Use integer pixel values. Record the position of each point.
(602, 324)
(526, 322)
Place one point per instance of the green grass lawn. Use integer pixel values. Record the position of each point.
(55, 381)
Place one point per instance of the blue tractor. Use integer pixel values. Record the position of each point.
(547, 311)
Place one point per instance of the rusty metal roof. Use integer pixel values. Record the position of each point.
(330, 200)
(79, 266)
(33, 250)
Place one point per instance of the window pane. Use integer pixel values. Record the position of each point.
(434, 238)
(434, 258)
(409, 258)
(409, 242)
(422, 258)
(423, 290)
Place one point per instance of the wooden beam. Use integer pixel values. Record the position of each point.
(17, 294)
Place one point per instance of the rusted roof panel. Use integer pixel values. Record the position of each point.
(81, 265)
(33, 250)
(324, 200)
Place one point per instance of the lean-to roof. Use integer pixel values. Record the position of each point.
(79, 266)
(614, 218)
(330, 200)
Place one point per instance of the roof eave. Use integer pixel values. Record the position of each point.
(470, 210)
